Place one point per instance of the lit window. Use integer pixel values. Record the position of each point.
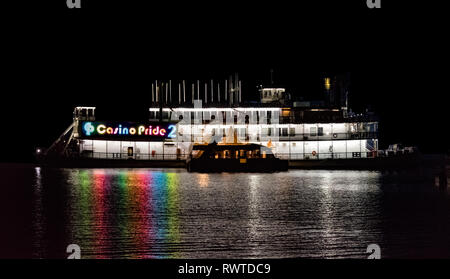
(292, 132)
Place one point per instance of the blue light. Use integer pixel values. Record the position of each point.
(88, 128)
(172, 133)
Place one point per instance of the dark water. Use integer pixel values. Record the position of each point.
(169, 213)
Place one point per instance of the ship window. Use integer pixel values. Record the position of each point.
(313, 131)
(285, 132)
(152, 115)
(292, 132)
(264, 131)
(236, 154)
(320, 131)
(243, 132)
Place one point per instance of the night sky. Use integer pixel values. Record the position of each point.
(108, 56)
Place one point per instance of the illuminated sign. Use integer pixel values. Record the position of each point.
(128, 130)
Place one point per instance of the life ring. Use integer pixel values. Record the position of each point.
(334, 135)
(314, 153)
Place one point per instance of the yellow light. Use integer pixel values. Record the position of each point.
(101, 129)
(141, 129)
(285, 112)
(327, 83)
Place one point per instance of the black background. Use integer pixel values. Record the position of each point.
(108, 53)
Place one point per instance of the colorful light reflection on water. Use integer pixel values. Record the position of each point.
(131, 211)
(170, 213)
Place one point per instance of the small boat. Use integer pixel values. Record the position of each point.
(233, 157)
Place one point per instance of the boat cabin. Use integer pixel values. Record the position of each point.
(231, 151)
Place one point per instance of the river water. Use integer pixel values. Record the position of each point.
(170, 213)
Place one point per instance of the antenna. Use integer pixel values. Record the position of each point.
(226, 92)
(271, 77)
(212, 91)
(193, 92)
(167, 88)
(240, 92)
(153, 93)
(198, 89)
(218, 92)
(206, 93)
(184, 91)
(170, 92)
(156, 91)
(179, 93)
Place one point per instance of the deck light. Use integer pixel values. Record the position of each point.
(327, 83)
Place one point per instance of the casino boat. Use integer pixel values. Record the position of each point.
(300, 133)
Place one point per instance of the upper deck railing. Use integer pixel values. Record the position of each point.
(260, 115)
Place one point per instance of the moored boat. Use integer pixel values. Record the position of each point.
(232, 157)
